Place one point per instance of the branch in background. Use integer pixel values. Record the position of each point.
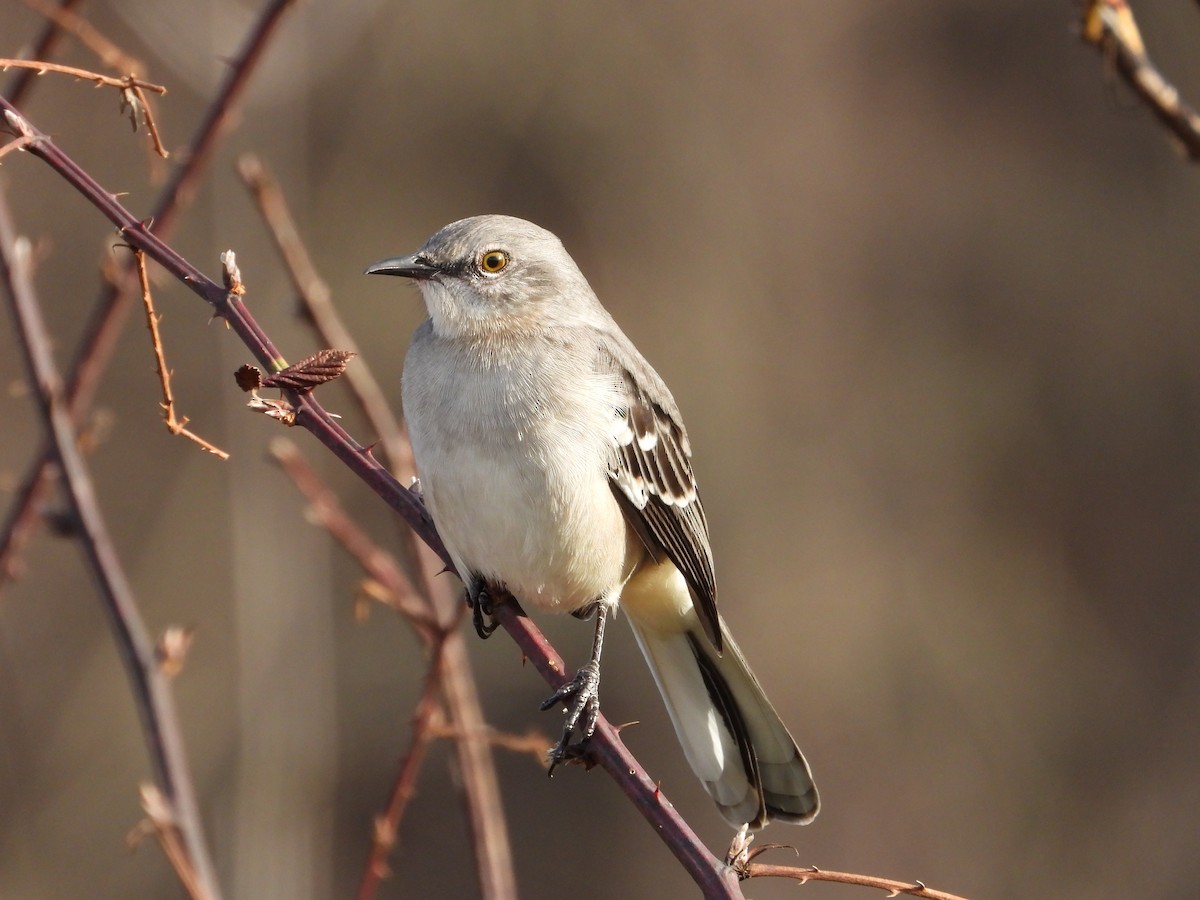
(43, 47)
(386, 823)
(314, 298)
(1109, 26)
(150, 686)
(325, 511)
(174, 425)
(480, 784)
(116, 297)
(605, 746)
(64, 18)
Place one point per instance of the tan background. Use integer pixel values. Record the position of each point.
(925, 287)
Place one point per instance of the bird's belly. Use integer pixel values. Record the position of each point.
(553, 535)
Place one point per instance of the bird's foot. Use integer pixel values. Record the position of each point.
(480, 601)
(583, 692)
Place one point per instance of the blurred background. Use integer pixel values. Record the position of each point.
(924, 282)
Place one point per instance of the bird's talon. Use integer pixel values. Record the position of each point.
(583, 691)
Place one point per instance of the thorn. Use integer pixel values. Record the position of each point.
(369, 449)
(920, 886)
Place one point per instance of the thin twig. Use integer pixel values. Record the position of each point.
(480, 783)
(151, 688)
(73, 23)
(174, 425)
(327, 512)
(15, 144)
(42, 48)
(605, 746)
(40, 67)
(532, 743)
(314, 297)
(116, 296)
(384, 832)
(133, 93)
(802, 875)
(1109, 26)
(160, 821)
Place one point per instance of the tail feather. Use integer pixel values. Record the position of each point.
(734, 740)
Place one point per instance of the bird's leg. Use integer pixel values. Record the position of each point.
(583, 691)
(480, 601)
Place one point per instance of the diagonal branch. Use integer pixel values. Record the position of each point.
(1109, 26)
(606, 747)
(42, 48)
(116, 297)
(480, 784)
(151, 689)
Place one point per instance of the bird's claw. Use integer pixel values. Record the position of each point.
(583, 692)
(480, 601)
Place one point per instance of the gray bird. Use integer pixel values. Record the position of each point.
(554, 462)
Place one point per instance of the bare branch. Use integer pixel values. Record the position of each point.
(1109, 26)
(480, 784)
(605, 746)
(42, 48)
(387, 823)
(326, 511)
(125, 82)
(313, 294)
(116, 297)
(64, 17)
(174, 425)
(151, 688)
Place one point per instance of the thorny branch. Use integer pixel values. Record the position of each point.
(1109, 26)
(605, 746)
(125, 82)
(174, 425)
(480, 784)
(151, 688)
(116, 296)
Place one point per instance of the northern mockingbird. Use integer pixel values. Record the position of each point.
(556, 466)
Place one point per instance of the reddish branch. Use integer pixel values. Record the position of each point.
(117, 295)
(151, 688)
(606, 747)
(480, 784)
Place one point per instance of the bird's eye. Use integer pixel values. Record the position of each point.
(493, 261)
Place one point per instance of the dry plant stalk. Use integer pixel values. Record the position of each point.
(174, 425)
(1109, 26)
(133, 92)
(74, 24)
(160, 821)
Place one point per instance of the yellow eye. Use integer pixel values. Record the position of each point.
(493, 261)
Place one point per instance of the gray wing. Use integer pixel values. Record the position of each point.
(652, 475)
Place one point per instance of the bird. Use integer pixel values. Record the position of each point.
(554, 462)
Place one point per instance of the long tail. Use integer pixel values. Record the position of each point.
(734, 740)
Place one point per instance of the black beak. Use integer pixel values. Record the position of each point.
(405, 266)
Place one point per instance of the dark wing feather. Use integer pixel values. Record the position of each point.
(652, 476)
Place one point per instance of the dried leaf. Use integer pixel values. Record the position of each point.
(280, 410)
(248, 378)
(322, 366)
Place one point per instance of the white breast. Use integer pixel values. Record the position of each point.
(514, 462)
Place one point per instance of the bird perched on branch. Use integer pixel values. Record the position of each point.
(556, 467)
